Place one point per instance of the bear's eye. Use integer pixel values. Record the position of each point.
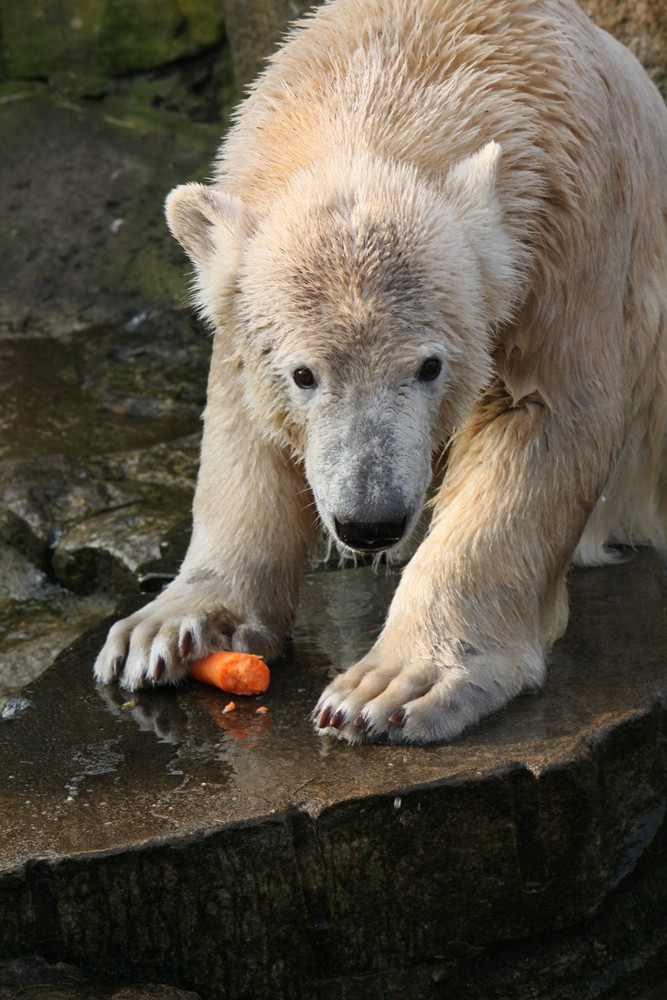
(430, 369)
(304, 378)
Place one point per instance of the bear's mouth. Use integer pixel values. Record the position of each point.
(370, 536)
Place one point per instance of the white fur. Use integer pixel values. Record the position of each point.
(482, 183)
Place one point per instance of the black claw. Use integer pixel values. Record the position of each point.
(160, 668)
(398, 717)
(324, 718)
(187, 644)
(362, 723)
(338, 720)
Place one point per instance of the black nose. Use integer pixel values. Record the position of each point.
(372, 537)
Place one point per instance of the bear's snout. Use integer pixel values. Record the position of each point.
(370, 536)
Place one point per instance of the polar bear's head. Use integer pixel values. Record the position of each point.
(360, 306)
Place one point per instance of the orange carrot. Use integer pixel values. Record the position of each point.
(238, 673)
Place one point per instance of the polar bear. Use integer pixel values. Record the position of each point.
(434, 256)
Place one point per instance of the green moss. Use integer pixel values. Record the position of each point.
(17, 90)
(142, 36)
(41, 38)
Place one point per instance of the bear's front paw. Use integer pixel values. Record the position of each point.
(185, 623)
(428, 699)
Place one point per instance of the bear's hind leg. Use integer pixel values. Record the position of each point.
(631, 509)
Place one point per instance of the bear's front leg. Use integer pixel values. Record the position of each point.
(436, 668)
(238, 586)
(484, 596)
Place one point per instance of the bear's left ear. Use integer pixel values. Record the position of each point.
(472, 181)
(206, 221)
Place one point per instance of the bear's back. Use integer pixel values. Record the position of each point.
(424, 81)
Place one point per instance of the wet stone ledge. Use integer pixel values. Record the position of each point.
(157, 839)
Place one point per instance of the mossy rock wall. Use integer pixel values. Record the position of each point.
(254, 29)
(46, 38)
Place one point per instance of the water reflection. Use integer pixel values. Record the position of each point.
(341, 613)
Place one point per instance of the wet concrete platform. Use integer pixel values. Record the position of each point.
(155, 838)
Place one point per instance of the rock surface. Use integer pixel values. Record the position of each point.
(255, 28)
(241, 855)
(40, 980)
(84, 242)
(102, 368)
(56, 38)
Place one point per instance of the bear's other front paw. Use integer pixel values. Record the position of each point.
(427, 700)
(156, 644)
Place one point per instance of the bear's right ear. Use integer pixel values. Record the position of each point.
(204, 220)
(472, 181)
